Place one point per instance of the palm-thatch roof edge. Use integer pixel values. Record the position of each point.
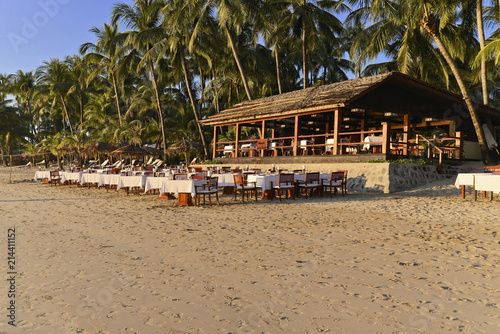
(326, 97)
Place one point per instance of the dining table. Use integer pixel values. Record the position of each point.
(479, 182)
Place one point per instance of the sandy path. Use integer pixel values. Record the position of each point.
(422, 261)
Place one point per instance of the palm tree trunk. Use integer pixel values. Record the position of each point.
(2, 152)
(276, 56)
(190, 93)
(28, 105)
(81, 107)
(117, 98)
(480, 32)
(158, 105)
(66, 112)
(238, 62)
(431, 28)
(304, 52)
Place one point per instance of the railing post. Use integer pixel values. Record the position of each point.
(406, 134)
(385, 138)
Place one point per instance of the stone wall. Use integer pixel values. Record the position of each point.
(383, 177)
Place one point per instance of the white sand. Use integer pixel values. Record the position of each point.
(91, 261)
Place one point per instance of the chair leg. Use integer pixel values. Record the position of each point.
(255, 194)
(217, 196)
(235, 191)
(209, 199)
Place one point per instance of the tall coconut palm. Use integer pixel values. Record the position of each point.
(179, 19)
(25, 85)
(310, 16)
(54, 78)
(231, 17)
(109, 54)
(144, 18)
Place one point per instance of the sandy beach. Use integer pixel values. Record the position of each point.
(91, 261)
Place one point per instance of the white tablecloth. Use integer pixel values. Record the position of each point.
(371, 139)
(154, 183)
(91, 178)
(131, 181)
(225, 180)
(109, 179)
(67, 176)
(481, 181)
(40, 175)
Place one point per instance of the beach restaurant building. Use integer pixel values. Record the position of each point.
(380, 117)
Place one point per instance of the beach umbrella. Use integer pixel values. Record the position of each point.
(130, 150)
(97, 147)
(185, 146)
(152, 150)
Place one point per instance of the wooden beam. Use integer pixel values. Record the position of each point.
(296, 136)
(337, 121)
(385, 138)
(216, 137)
(406, 134)
(263, 136)
(237, 144)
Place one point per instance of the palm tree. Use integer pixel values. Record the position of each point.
(144, 18)
(309, 17)
(25, 85)
(109, 55)
(178, 22)
(54, 77)
(231, 15)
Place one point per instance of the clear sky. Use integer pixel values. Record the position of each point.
(34, 31)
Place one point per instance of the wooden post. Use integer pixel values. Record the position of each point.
(262, 136)
(10, 168)
(337, 120)
(459, 143)
(214, 153)
(237, 144)
(385, 138)
(362, 137)
(406, 135)
(296, 136)
(440, 162)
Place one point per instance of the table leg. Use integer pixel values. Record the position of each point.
(184, 199)
(463, 192)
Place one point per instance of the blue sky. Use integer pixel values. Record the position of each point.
(33, 31)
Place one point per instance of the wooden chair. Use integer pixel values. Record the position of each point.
(285, 183)
(336, 181)
(209, 188)
(180, 176)
(246, 173)
(345, 180)
(312, 182)
(198, 177)
(55, 178)
(243, 187)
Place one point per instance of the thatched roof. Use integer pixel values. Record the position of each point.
(97, 147)
(341, 94)
(184, 146)
(130, 150)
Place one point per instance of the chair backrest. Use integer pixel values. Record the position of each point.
(298, 171)
(246, 173)
(54, 174)
(115, 171)
(198, 169)
(238, 179)
(285, 178)
(149, 173)
(337, 176)
(345, 174)
(198, 177)
(312, 177)
(180, 176)
(213, 183)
